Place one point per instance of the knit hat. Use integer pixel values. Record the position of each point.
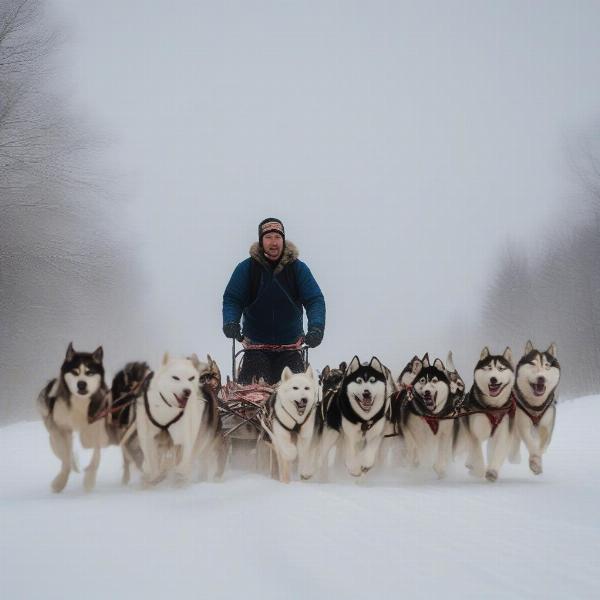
(270, 225)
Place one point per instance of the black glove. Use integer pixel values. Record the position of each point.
(233, 330)
(313, 337)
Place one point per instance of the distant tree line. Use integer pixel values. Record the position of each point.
(555, 295)
(62, 274)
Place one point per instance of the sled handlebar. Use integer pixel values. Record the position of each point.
(298, 345)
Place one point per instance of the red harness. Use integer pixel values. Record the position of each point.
(495, 415)
(533, 412)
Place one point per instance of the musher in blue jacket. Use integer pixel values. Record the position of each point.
(269, 289)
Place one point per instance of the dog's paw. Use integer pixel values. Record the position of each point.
(535, 464)
(89, 480)
(365, 469)
(441, 473)
(59, 482)
(491, 475)
(477, 473)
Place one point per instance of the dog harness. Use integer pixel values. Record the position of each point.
(153, 420)
(494, 415)
(296, 428)
(416, 405)
(535, 413)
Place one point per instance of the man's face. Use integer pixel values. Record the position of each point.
(272, 245)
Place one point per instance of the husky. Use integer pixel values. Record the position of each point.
(178, 406)
(427, 416)
(408, 374)
(70, 404)
(490, 409)
(127, 385)
(289, 420)
(538, 374)
(359, 412)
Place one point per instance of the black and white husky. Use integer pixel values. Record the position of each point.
(490, 408)
(177, 404)
(538, 374)
(70, 404)
(359, 412)
(289, 420)
(428, 413)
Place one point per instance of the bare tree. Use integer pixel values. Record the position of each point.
(61, 270)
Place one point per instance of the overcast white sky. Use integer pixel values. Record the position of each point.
(402, 143)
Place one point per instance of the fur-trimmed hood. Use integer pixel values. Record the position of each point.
(290, 254)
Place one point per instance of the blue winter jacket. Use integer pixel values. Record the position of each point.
(275, 315)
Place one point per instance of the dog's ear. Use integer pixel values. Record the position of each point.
(309, 372)
(353, 366)
(287, 373)
(377, 366)
(528, 347)
(450, 363)
(484, 353)
(416, 365)
(343, 366)
(426, 360)
(195, 360)
(439, 365)
(70, 352)
(508, 355)
(210, 361)
(98, 355)
(552, 350)
(325, 372)
(165, 359)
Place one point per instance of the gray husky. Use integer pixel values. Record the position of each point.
(69, 404)
(538, 374)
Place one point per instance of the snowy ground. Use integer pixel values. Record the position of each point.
(401, 534)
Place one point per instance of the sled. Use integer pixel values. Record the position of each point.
(241, 405)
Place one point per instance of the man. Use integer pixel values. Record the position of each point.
(270, 290)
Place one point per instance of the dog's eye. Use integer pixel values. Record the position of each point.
(192, 378)
(372, 380)
(434, 380)
(307, 388)
(296, 387)
(90, 372)
(422, 381)
(74, 372)
(359, 380)
(501, 368)
(175, 377)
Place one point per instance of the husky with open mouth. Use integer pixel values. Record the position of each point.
(538, 374)
(69, 404)
(179, 406)
(359, 412)
(428, 413)
(490, 408)
(290, 422)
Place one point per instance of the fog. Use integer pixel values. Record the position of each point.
(406, 146)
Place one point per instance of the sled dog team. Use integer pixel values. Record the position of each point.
(168, 422)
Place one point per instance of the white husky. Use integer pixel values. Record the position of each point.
(538, 374)
(289, 420)
(173, 404)
(490, 407)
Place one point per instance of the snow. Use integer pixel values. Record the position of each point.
(399, 533)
